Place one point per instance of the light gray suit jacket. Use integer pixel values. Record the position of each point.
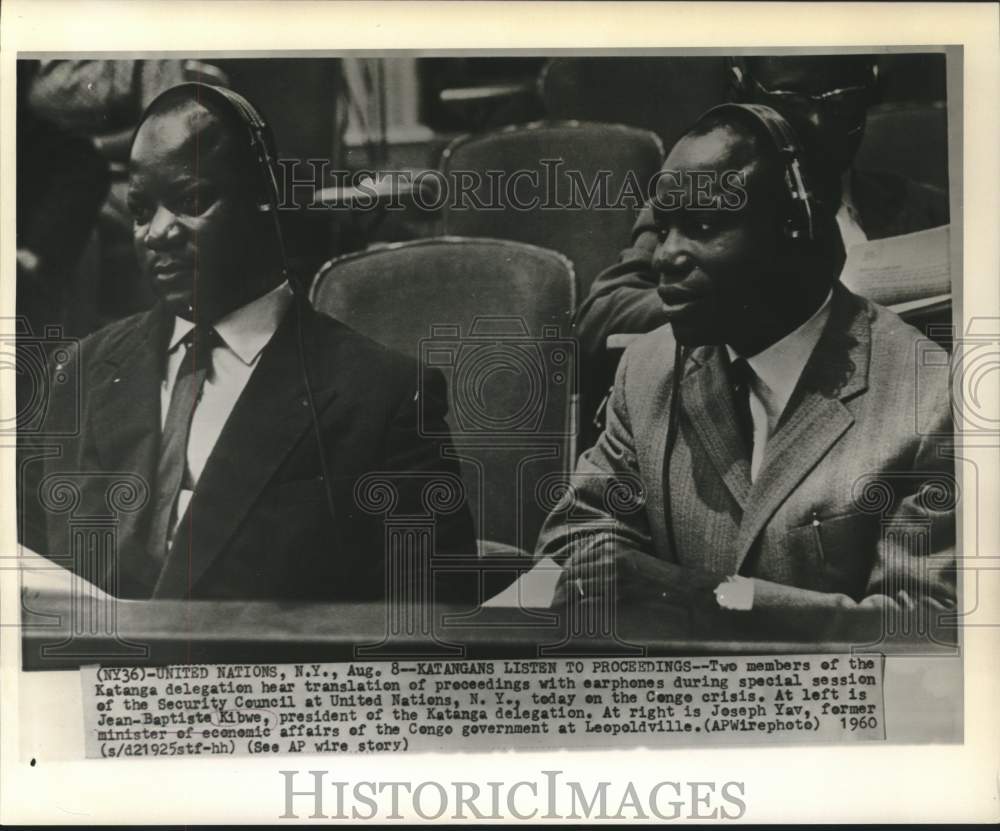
(855, 496)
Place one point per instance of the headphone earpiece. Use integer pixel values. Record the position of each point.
(799, 224)
(257, 131)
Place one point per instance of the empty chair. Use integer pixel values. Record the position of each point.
(569, 186)
(662, 94)
(494, 317)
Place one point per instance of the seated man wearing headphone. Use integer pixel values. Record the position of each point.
(826, 98)
(757, 463)
(228, 431)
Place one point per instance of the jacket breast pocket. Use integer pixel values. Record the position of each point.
(840, 551)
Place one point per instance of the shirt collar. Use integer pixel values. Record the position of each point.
(780, 365)
(247, 330)
(181, 328)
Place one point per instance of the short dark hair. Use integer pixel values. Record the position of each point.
(758, 146)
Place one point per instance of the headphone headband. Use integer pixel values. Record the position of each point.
(799, 225)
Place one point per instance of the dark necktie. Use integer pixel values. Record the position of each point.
(740, 378)
(172, 466)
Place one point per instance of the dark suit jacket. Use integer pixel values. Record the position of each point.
(623, 298)
(258, 523)
(854, 470)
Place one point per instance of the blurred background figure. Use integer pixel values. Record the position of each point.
(62, 180)
(827, 98)
(101, 99)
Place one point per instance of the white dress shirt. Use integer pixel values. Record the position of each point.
(776, 371)
(243, 334)
(848, 217)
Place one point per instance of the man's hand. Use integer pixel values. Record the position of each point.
(603, 570)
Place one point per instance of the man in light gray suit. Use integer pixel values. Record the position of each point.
(789, 453)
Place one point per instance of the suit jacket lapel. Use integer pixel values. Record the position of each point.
(126, 398)
(125, 424)
(815, 417)
(268, 420)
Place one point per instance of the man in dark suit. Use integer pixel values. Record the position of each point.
(233, 428)
(792, 457)
(825, 98)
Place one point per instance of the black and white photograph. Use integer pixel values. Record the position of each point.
(357, 380)
(394, 401)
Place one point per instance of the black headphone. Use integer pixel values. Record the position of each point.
(261, 145)
(799, 224)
